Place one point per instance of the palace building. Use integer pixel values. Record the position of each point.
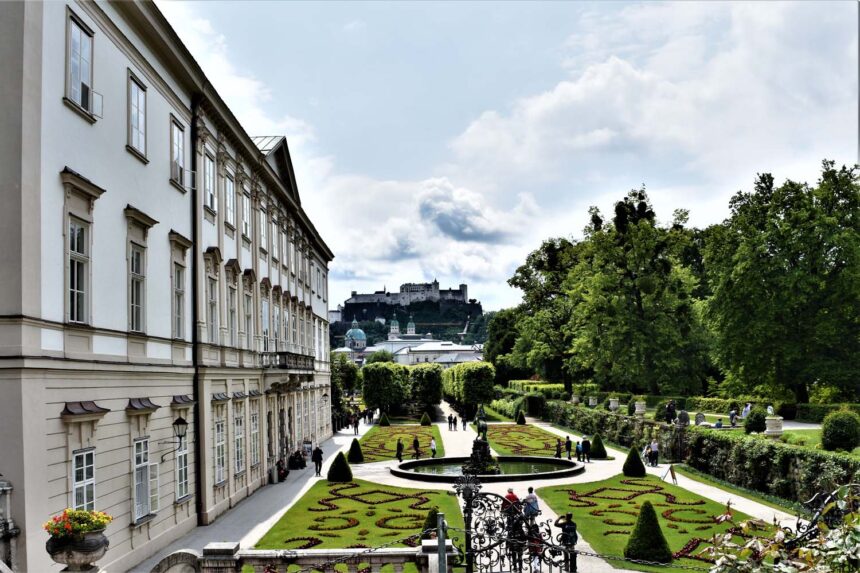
(159, 270)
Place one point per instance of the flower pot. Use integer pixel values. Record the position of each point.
(592, 401)
(78, 553)
(640, 409)
(613, 404)
(575, 399)
(773, 426)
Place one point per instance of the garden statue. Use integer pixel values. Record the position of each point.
(481, 422)
(481, 461)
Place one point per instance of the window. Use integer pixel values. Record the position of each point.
(230, 199)
(220, 450)
(264, 242)
(80, 64)
(293, 257)
(249, 323)
(231, 314)
(255, 434)
(79, 261)
(137, 290)
(177, 152)
(276, 239)
(265, 324)
(145, 481)
(136, 115)
(246, 215)
(178, 300)
(209, 183)
(182, 468)
(84, 480)
(239, 436)
(212, 310)
(276, 327)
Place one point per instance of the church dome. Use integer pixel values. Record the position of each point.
(355, 337)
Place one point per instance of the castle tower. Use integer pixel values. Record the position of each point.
(410, 326)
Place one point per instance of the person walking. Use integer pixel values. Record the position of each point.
(450, 419)
(568, 445)
(569, 538)
(399, 450)
(464, 423)
(646, 454)
(746, 411)
(586, 449)
(670, 412)
(535, 542)
(511, 500)
(416, 446)
(578, 451)
(530, 505)
(355, 424)
(455, 423)
(432, 447)
(317, 459)
(733, 417)
(655, 452)
(558, 448)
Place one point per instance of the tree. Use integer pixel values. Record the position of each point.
(502, 334)
(426, 383)
(633, 466)
(647, 541)
(379, 356)
(385, 385)
(634, 322)
(355, 455)
(339, 471)
(344, 372)
(786, 292)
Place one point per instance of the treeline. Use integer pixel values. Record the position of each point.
(765, 303)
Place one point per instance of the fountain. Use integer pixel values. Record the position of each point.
(484, 466)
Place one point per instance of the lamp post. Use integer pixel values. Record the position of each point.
(180, 431)
(326, 414)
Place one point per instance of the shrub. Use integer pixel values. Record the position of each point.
(425, 381)
(521, 419)
(754, 422)
(431, 522)
(840, 431)
(633, 466)
(768, 466)
(623, 430)
(385, 385)
(535, 404)
(509, 408)
(469, 384)
(647, 541)
(355, 456)
(425, 420)
(631, 406)
(817, 412)
(598, 450)
(383, 420)
(339, 472)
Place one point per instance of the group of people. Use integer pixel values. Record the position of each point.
(582, 449)
(452, 423)
(651, 453)
(532, 538)
(416, 449)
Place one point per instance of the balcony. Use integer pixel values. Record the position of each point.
(288, 361)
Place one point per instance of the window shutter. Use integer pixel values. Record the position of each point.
(153, 488)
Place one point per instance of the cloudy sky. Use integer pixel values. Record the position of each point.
(448, 139)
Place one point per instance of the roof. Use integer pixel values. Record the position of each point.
(266, 143)
(457, 358)
(356, 334)
(442, 346)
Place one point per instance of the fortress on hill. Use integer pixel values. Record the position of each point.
(410, 293)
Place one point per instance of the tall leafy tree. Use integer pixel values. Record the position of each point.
(344, 372)
(633, 320)
(785, 273)
(502, 332)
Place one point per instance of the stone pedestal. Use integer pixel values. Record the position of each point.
(613, 404)
(773, 426)
(640, 409)
(574, 399)
(592, 401)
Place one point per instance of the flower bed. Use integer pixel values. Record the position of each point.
(518, 440)
(380, 443)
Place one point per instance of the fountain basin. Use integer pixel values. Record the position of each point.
(514, 468)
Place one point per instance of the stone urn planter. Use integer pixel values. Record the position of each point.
(773, 426)
(592, 401)
(78, 553)
(613, 404)
(640, 409)
(575, 399)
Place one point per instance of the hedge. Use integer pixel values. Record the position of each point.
(385, 385)
(768, 466)
(614, 427)
(425, 382)
(787, 410)
(469, 384)
(549, 391)
(817, 412)
(509, 408)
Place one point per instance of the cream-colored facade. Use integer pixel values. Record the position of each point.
(157, 265)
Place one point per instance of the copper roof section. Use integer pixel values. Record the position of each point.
(254, 393)
(220, 397)
(239, 395)
(86, 408)
(182, 400)
(141, 406)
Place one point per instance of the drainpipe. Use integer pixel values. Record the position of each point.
(195, 342)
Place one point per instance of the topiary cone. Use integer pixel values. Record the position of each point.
(633, 466)
(355, 455)
(430, 522)
(339, 472)
(647, 541)
(598, 450)
(383, 420)
(425, 420)
(521, 418)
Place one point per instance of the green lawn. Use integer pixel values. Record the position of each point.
(359, 514)
(808, 438)
(606, 511)
(527, 440)
(380, 442)
(495, 416)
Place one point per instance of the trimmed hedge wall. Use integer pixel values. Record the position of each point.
(616, 428)
(509, 408)
(469, 384)
(817, 412)
(768, 466)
